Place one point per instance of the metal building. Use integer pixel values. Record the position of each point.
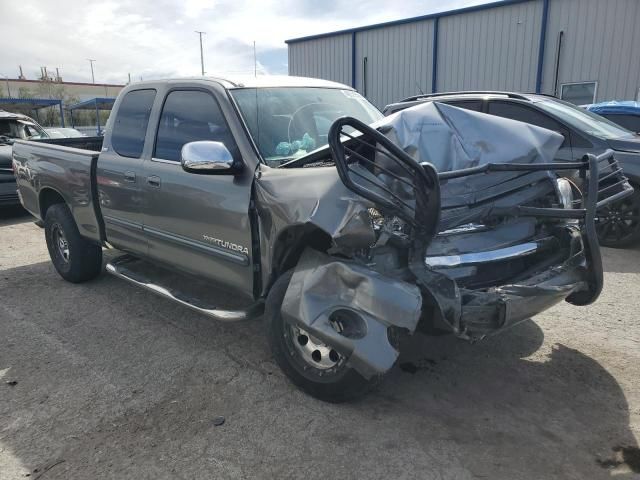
(580, 50)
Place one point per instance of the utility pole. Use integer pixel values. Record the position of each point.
(201, 54)
(255, 63)
(93, 78)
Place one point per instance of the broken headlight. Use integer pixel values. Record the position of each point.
(565, 192)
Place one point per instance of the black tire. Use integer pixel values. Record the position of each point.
(618, 225)
(336, 386)
(79, 259)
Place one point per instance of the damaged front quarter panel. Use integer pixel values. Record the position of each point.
(323, 289)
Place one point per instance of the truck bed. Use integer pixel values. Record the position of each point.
(64, 167)
(83, 143)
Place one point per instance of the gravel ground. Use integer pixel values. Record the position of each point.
(113, 382)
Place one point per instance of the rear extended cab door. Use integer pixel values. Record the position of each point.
(199, 223)
(120, 169)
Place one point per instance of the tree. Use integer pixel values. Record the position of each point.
(24, 92)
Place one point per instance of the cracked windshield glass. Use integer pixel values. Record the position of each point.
(288, 123)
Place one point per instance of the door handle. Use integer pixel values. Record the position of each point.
(130, 177)
(154, 181)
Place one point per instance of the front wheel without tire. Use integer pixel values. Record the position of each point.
(312, 366)
(75, 258)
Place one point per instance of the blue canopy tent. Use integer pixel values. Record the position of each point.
(97, 104)
(35, 104)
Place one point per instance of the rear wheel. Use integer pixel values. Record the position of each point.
(312, 366)
(618, 224)
(75, 258)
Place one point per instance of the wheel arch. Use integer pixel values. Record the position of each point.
(47, 197)
(291, 243)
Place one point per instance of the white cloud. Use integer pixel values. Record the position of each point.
(156, 38)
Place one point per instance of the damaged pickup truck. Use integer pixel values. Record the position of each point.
(294, 197)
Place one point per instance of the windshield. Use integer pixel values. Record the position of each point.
(289, 122)
(584, 121)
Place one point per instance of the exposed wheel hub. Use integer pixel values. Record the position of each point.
(313, 351)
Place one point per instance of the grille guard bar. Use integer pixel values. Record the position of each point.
(422, 179)
(425, 183)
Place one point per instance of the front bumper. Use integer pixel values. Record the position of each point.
(576, 277)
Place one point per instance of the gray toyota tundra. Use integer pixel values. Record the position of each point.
(294, 199)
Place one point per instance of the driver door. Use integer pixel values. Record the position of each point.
(198, 223)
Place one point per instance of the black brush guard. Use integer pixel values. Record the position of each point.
(357, 147)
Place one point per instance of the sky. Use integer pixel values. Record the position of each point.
(156, 38)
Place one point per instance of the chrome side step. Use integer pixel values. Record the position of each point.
(132, 270)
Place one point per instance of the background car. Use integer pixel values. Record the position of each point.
(60, 132)
(584, 132)
(13, 126)
(626, 113)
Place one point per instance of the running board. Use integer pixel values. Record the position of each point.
(150, 277)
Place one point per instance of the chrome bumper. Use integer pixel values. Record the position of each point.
(489, 256)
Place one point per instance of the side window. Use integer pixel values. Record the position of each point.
(630, 122)
(475, 105)
(579, 93)
(189, 116)
(130, 125)
(522, 113)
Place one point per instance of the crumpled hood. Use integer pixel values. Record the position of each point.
(452, 138)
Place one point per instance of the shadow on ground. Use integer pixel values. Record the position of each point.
(14, 216)
(621, 260)
(115, 382)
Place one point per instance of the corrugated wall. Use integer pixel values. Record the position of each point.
(494, 49)
(601, 43)
(399, 60)
(328, 58)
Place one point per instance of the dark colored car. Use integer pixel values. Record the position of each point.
(625, 113)
(584, 132)
(13, 126)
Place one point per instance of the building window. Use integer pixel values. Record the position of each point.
(579, 93)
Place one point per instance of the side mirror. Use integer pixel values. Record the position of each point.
(206, 157)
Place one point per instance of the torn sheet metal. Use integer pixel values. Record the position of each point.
(287, 198)
(321, 285)
(452, 138)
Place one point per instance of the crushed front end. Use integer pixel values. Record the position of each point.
(488, 237)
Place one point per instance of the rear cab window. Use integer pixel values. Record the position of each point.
(131, 122)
